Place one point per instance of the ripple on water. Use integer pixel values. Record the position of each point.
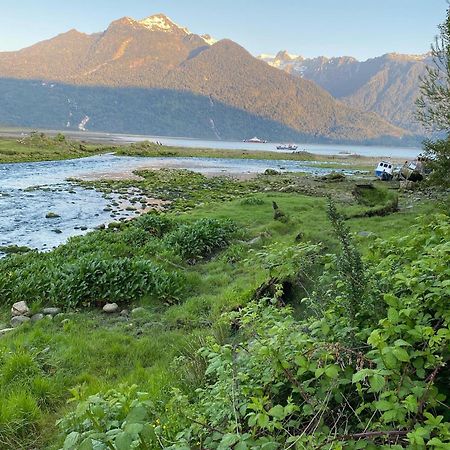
(28, 191)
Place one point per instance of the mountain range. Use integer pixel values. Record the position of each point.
(153, 76)
(387, 85)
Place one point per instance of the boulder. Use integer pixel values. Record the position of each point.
(37, 317)
(19, 320)
(20, 309)
(137, 311)
(51, 311)
(110, 308)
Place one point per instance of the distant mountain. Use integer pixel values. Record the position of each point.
(144, 76)
(387, 85)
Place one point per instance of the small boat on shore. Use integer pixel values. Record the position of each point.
(255, 140)
(413, 170)
(384, 171)
(291, 147)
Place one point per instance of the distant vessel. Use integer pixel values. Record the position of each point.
(384, 171)
(255, 140)
(287, 147)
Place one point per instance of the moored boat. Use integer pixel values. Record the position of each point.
(255, 140)
(287, 147)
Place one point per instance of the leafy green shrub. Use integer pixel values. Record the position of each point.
(119, 419)
(202, 238)
(90, 280)
(155, 224)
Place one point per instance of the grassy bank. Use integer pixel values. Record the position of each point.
(38, 147)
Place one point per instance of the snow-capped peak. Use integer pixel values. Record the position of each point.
(160, 22)
(208, 39)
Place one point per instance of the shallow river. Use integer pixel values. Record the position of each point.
(29, 191)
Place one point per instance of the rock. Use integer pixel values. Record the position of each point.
(255, 240)
(124, 312)
(137, 311)
(19, 320)
(111, 308)
(52, 215)
(364, 233)
(20, 309)
(5, 330)
(299, 237)
(52, 311)
(271, 172)
(37, 317)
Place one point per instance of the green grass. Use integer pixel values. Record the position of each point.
(39, 147)
(86, 351)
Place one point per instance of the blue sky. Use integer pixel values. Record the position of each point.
(360, 28)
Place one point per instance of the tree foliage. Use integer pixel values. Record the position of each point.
(433, 105)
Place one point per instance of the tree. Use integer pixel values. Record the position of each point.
(433, 105)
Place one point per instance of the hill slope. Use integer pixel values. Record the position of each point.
(156, 55)
(387, 85)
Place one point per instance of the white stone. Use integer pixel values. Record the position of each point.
(20, 309)
(111, 308)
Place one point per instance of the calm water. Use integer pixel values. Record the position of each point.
(319, 149)
(28, 191)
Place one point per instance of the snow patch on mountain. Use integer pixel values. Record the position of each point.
(160, 22)
(208, 39)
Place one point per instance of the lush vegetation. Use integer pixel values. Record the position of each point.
(251, 331)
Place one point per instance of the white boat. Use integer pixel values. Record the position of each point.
(384, 170)
(287, 147)
(255, 140)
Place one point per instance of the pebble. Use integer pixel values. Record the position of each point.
(111, 308)
(5, 330)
